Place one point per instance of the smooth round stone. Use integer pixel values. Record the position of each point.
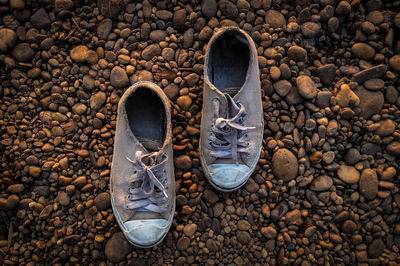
(374, 84)
(394, 63)
(371, 102)
(79, 53)
(117, 248)
(306, 87)
(275, 19)
(311, 29)
(385, 128)
(118, 78)
(297, 53)
(321, 183)
(375, 248)
(282, 87)
(348, 174)
(23, 52)
(284, 165)
(363, 51)
(369, 184)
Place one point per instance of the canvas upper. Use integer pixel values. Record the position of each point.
(142, 173)
(232, 116)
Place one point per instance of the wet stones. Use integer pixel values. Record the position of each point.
(23, 52)
(275, 19)
(321, 183)
(279, 211)
(385, 128)
(369, 184)
(117, 248)
(393, 148)
(118, 78)
(297, 53)
(306, 87)
(363, 51)
(179, 19)
(284, 165)
(348, 174)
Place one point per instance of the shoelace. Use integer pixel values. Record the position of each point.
(152, 194)
(228, 136)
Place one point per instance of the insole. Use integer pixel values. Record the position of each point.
(146, 117)
(230, 57)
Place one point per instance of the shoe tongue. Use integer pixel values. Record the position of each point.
(150, 144)
(232, 106)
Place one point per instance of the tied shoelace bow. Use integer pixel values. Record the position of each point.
(228, 136)
(152, 193)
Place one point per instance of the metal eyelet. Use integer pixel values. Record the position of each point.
(209, 143)
(246, 135)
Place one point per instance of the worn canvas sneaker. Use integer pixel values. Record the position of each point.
(142, 172)
(232, 116)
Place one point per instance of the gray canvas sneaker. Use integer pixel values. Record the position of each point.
(232, 115)
(142, 171)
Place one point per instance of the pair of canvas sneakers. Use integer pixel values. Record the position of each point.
(142, 172)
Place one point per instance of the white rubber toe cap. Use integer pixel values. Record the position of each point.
(229, 176)
(146, 233)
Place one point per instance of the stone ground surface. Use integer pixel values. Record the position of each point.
(326, 188)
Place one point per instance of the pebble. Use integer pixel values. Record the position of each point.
(327, 73)
(269, 232)
(104, 29)
(102, 201)
(7, 39)
(306, 87)
(371, 102)
(40, 19)
(151, 51)
(394, 63)
(374, 84)
(311, 29)
(363, 51)
(117, 248)
(369, 184)
(293, 217)
(321, 183)
(183, 243)
(385, 128)
(346, 97)
(97, 100)
(275, 19)
(210, 196)
(209, 8)
(118, 78)
(23, 52)
(190, 229)
(297, 53)
(282, 87)
(184, 102)
(284, 165)
(243, 237)
(348, 174)
(375, 248)
(79, 53)
(349, 227)
(228, 8)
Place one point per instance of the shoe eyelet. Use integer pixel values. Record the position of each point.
(134, 171)
(209, 143)
(212, 125)
(211, 134)
(247, 144)
(246, 135)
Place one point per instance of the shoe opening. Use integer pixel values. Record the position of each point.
(147, 118)
(229, 59)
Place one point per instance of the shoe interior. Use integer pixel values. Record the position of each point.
(147, 118)
(228, 62)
